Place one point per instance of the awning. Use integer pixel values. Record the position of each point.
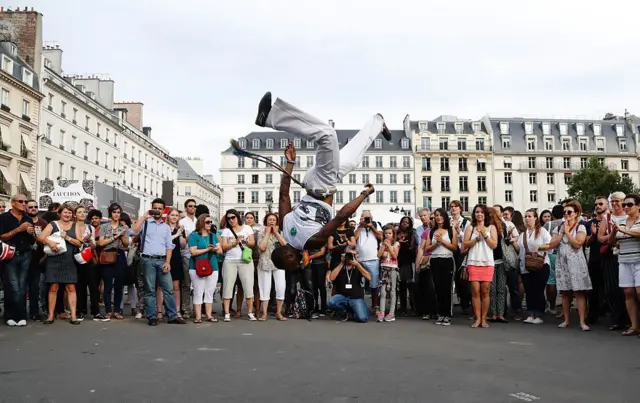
(27, 141)
(7, 175)
(26, 181)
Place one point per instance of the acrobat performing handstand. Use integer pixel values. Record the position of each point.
(310, 223)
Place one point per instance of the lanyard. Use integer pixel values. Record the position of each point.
(349, 275)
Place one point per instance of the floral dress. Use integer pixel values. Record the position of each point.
(572, 272)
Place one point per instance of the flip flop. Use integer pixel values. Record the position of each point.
(485, 325)
(281, 318)
(475, 325)
(563, 325)
(197, 321)
(630, 332)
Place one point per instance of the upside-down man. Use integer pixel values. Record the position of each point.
(309, 225)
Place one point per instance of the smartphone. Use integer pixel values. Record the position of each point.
(155, 212)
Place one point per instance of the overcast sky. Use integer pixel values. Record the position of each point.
(200, 67)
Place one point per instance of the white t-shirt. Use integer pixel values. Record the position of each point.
(367, 246)
(305, 220)
(189, 226)
(533, 242)
(236, 252)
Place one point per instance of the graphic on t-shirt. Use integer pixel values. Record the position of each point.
(293, 231)
(314, 212)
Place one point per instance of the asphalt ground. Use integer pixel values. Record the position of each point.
(319, 361)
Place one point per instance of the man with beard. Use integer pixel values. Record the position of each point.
(35, 278)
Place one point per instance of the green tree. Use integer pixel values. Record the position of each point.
(597, 180)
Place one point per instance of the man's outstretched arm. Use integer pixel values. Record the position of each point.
(342, 216)
(284, 203)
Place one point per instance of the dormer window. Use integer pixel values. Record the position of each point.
(422, 126)
(255, 144)
(546, 128)
(309, 143)
(622, 144)
(620, 130)
(243, 143)
(580, 129)
(563, 129)
(528, 128)
(459, 127)
(283, 143)
(504, 127)
(270, 144)
(7, 64)
(477, 127)
(296, 143)
(378, 143)
(441, 127)
(14, 50)
(404, 143)
(597, 129)
(27, 77)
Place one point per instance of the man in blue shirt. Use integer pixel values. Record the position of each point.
(156, 248)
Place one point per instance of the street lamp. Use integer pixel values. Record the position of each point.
(397, 210)
(269, 201)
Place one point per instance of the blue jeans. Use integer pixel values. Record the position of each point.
(152, 272)
(340, 303)
(373, 267)
(14, 278)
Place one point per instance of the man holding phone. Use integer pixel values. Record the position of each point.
(157, 247)
(347, 278)
(367, 240)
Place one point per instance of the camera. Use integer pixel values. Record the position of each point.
(367, 220)
(155, 212)
(348, 256)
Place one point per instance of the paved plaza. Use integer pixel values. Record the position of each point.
(320, 361)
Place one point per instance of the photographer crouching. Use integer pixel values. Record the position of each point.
(347, 278)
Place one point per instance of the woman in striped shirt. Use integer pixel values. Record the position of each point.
(627, 234)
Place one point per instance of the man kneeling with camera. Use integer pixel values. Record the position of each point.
(347, 278)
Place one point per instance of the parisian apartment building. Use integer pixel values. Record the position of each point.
(194, 184)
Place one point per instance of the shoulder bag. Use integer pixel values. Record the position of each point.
(532, 260)
(137, 260)
(108, 257)
(509, 255)
(57, 238)
(203, 266)
(247, 253)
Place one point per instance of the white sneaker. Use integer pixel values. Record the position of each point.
(227, 317)
(22, 323)
(11, 323)
(252, 317)
(537, 321)
(139, 315)
(528, 320)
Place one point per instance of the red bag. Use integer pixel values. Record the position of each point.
(203, 266)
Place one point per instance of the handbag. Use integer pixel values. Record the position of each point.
(247, 252)
(203, 266)
(509, 254)
(137, 258)
(59, 241)
(532, 261)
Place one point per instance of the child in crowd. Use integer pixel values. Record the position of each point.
(388, 254)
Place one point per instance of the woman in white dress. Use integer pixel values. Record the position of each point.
(572, 272)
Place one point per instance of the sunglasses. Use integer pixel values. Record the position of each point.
(231, 218)
(28, 207)
(628, 205)
(599, 204)
(191, 205)
(568, 212)
(20, 201)
(208, 222)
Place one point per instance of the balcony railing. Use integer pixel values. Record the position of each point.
(453, 147)
(558, 166)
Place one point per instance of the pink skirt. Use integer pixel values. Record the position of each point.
(480, 273)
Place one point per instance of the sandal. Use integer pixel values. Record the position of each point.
(563, 325)
(585, 328)
(262, 318)
(502, 320)
(475, 325)
(485, 325)
(74, 321)
(615, 327)
(281, 318)
(118, 316)
(159, 315)
(48, 321)
(212, 319)
(630, 332)
(197, 321)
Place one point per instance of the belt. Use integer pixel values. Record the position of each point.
(157, 257)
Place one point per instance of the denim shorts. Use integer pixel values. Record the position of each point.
(373, 267)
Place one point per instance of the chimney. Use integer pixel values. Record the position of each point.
(147, 131)
(24, 28)
(332, 123)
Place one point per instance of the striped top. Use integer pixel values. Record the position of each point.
(629, 246)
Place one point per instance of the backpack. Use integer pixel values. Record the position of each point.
(302, 305)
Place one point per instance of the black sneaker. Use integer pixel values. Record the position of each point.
(446, 322)
(178, 321)
(153, 322)
(440, 320)
(79, 317)
(385, 130)
(264, 107)
(100, 318)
